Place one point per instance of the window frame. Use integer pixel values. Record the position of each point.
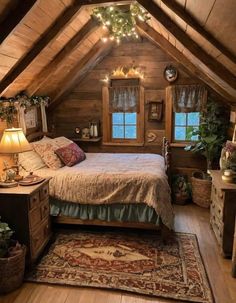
(169, 122)
(107, 121)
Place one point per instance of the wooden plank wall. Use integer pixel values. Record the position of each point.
(84, 103)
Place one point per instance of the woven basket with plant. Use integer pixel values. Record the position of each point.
(12, 260)
(211, 136)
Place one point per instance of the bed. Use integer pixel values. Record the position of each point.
(128, 190)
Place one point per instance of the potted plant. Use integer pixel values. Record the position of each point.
(12, 260)
(211, 136)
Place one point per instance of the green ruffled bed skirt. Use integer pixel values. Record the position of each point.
(120, 212)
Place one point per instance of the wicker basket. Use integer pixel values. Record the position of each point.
(12, 272)
(201, 190)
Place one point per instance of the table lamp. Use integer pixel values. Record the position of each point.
(14, 142)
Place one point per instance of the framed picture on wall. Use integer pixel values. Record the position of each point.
(31, 118)
(155, 109)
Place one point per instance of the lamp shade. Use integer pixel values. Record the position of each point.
(14, 141)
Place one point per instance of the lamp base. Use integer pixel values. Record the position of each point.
(18, 178)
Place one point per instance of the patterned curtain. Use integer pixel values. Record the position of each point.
(124, 99)
(188, 98)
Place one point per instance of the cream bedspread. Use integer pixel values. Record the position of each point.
(114, 178)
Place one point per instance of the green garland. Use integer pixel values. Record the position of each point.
(119, 22)
(8, 111)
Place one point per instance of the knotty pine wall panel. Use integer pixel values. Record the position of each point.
(84, 103)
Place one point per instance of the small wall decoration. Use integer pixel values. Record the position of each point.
(155, 109)
(31, 118)
(170, 73)
(155, 136)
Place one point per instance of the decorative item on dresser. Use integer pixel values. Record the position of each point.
(26, 209)
(223, 211)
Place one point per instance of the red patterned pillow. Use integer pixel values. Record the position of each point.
(70, 154)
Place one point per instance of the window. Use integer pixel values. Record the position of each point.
(184, 124)
(123, 112)
(124, 126)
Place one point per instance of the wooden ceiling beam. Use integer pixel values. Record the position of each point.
(53, 31)
(58, 60)
(93, 57)
(104, 2)
(179, 11)
(14, 17)
(212, 64)
(159, 40)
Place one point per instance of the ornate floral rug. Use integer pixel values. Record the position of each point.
(136, 262)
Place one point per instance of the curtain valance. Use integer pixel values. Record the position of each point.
(188, 98)
(124, 99)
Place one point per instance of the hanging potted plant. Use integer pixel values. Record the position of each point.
(211, 136)
(12, 260)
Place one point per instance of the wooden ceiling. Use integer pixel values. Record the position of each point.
(47, 46)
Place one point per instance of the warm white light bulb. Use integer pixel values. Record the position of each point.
(104, 39)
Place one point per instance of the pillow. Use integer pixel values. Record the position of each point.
(31, 161)
(45, 150)
(62, 141)
(71, 154)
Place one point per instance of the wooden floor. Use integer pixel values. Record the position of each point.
(190, 218)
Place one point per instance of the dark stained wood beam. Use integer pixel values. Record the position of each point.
(216, 67)
(14, 17)
(58, 61)
(159, 40)
(59, 24)
(92, 58)
(179, 11)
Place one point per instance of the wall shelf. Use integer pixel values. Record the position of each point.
(92, 140)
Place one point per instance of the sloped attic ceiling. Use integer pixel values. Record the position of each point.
(49, 45)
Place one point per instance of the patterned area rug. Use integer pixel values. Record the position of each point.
(136, 262)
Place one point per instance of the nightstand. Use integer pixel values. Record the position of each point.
(26, 210)
(223, 211)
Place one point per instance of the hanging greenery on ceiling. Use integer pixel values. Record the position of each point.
(119, 21)
(8, 107)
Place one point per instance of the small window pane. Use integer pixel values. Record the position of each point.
(130, 132)
(195, 138)
(180, 119)
(193, 119)
(117, 118)
(130, 118)
(180, 133)
(118, 132)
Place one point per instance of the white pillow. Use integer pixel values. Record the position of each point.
(31, 161)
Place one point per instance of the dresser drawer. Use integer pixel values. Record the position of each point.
(35, 217)
(34, 200)
(217, 210)
(44, 192)
(39, 238)
(218, 196)
(217, 226)
(45, 209)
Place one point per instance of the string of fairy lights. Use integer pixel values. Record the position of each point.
(120, 22)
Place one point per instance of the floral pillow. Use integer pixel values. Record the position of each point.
(70, 154)
(46, 151)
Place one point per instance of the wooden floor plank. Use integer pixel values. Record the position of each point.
(190, 219)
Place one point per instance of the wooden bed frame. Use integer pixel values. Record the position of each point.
(165, 232)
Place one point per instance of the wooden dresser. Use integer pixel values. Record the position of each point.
(26, 210)
(222, 212)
